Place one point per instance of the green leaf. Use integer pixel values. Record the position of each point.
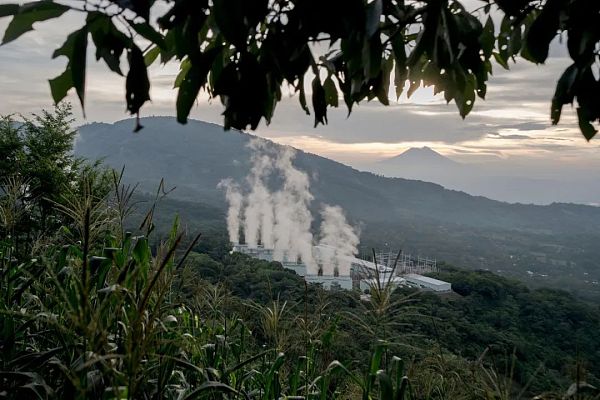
(465, 98)
(400, 70)
(302, 96)
(402, 389)
(59, 86)
(488, 38)
(585, 125)
(319, 102)
(194, 79)
(564, 92)
(184, 67)
(501, 60)
(141, 252)
(148, 32)
(503, 41)
(541, 32)
(386, 388)
(109, 41)
(75, 49)
(229, 17)
(331, 95)
(137, 84)
(7, 10)
(374, 10)
(27, 15)
(151, 55)
(140, 7)
(514, 45)
(383, 86)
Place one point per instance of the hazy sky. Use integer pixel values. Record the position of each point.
(511, 127)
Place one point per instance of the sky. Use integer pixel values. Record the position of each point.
(510, 129)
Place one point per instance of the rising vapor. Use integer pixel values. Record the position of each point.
(235, 199)
(338, 240)
(281, 220)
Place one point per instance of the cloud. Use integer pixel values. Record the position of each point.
(511, 137)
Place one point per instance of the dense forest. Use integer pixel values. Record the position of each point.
(98, 300)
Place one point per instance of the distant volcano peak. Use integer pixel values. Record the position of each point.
(419, 155)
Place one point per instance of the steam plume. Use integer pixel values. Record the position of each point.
(293, 238)
(338, 241)
(258, 215)
(281, 220)
(234, 198)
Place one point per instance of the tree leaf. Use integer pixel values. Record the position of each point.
(400, 70)
(500, 60)
(587, 129)
(564, 92)
(109, 41)
(27, 15)
(151, 55)
(229, 17)
(184, 67)
(148, 32)
(541, 32)
(465, 98)
(331, 95)
(194, 79)
(59, 86)
(302, 96)
(488, 38)
(140, 7)
(7, 10)
(137, 84)
(374, 10)
(319, 102)
(75, 49)
(383, 86)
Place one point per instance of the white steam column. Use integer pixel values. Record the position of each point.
(277, 224)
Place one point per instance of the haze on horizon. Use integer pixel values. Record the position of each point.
(506, 146)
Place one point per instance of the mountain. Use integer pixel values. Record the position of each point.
(415, 157)
(557, 240)
(421, 163)
(500, 180)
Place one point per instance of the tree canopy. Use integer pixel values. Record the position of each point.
(245, 51)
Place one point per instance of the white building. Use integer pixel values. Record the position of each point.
(346, 269)
(394, 282)
(330, 282)
(425, 282)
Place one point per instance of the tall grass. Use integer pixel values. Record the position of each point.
(97, 311)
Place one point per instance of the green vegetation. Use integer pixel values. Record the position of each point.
(243, 52)
(550, 332)
(557, 242)
(100, 302)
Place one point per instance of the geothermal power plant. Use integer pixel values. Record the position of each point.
(275, 225)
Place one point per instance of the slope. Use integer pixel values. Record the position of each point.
(555, 240)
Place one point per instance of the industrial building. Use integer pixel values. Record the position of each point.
(397, 270)
(427, 283)
(368, 283)
(331, 282)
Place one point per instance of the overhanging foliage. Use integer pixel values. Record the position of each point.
(244, 51)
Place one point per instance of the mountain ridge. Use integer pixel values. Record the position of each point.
(558, 239)
(203, 153)
(419, 154)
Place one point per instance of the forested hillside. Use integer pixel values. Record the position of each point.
(552, 245)
(547, 333)
(107, 293)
